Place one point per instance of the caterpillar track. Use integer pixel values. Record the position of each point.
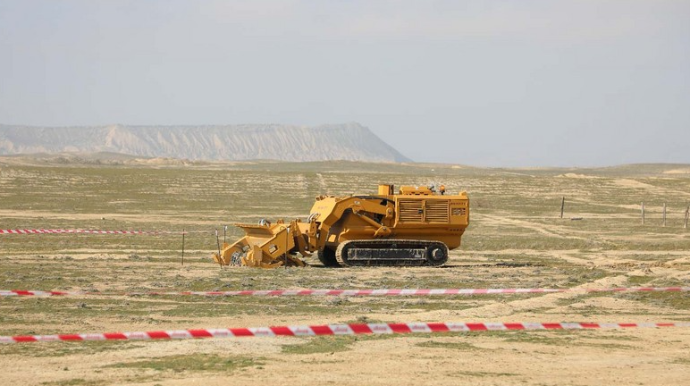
(358, 253)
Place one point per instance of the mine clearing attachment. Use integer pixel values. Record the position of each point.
(415, 227)
(264, 246)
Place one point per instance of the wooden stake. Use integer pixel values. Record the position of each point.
(642, 212)
(182, 261)
(664, 214)
(687, 215)
(562, 205)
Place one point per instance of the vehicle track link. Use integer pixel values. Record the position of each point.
(391, 252)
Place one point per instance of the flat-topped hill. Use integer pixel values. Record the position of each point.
(351, 141)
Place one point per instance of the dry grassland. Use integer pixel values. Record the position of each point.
(515, 240)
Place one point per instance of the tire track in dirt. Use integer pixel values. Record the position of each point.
(609, 262)
(541, 229)
(654, 190)
(521, 306)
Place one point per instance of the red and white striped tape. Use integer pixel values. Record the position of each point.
(91, 231)
(343, 292)
(40, 293)
(332, 329)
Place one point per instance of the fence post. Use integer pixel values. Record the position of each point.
(182, 260)
(687, 215)
(642, 210)
(664, 214)
(562, 205)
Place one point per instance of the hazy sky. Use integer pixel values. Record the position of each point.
(490, 83)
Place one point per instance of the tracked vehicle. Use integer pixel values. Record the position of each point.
(416, 226)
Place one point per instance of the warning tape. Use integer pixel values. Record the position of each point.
(89, 231)
(342, 292)
(332, 329)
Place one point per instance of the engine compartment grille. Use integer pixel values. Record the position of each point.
(437, 211)
(418, 211)
(410, 210)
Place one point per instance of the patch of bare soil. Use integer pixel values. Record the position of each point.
(642, 356)
(535, 252)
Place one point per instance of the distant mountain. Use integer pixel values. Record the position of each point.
(350, 141)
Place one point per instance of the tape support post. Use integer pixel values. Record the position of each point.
(332, 329)
(351, 292)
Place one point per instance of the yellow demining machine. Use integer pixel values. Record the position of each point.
(415, 227)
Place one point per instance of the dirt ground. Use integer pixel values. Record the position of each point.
(516, 240)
